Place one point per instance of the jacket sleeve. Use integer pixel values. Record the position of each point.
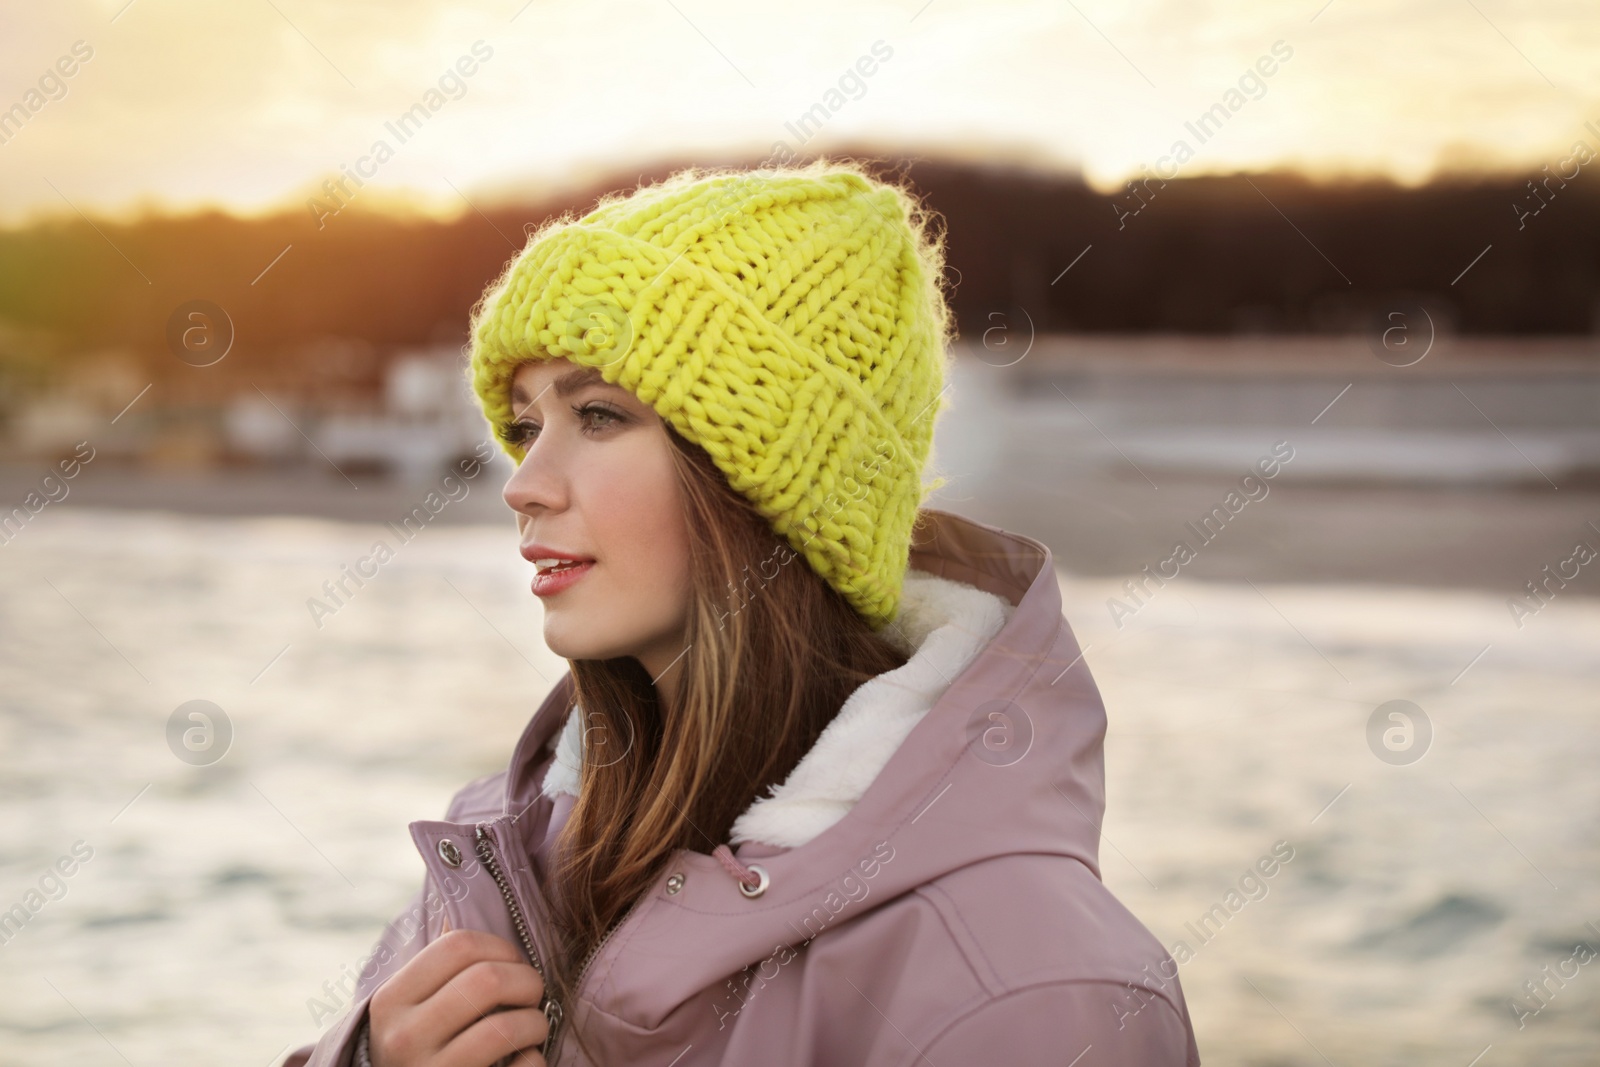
(402, 939)
(1088, 1024)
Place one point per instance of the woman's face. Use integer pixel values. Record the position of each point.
(597, 483)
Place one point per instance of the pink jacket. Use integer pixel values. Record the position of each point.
(947, 911)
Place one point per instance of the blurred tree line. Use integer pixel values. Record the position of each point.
(1236, 254)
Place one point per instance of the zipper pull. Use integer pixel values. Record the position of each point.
(552, 1016)
(484, 846)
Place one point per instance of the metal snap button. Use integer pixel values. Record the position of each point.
(675, 883)
(760, 886)
(449, 852)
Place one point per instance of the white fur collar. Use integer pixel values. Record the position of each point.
(942, 625)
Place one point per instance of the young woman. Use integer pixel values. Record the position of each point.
(823, 784)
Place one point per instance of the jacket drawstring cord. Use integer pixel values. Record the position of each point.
(747, 877)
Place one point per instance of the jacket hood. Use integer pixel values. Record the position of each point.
(941, 626)
(1007, 758)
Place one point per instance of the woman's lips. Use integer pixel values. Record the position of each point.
(549, 583)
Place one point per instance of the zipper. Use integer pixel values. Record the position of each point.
(483, 845)
(595, 951)
(598, 945)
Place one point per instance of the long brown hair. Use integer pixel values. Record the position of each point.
(772, 651)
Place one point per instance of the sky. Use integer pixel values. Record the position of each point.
(179, 105)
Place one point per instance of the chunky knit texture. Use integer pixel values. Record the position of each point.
(788, 320)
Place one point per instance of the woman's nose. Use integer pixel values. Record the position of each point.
(539, 482)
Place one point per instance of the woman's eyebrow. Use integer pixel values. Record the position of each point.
(570, 382)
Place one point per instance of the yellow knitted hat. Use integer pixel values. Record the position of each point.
(788, 320)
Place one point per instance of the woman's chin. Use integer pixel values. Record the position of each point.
(572, 638)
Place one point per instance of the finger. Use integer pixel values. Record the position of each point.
(495, 1037)
(476, 992)
(441, 960)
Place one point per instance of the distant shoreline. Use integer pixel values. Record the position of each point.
(1435, 537)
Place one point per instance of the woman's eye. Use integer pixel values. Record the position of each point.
(518, 433)
(598, 416)
(592, 418)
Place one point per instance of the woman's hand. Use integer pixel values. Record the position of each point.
(443, 1008)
